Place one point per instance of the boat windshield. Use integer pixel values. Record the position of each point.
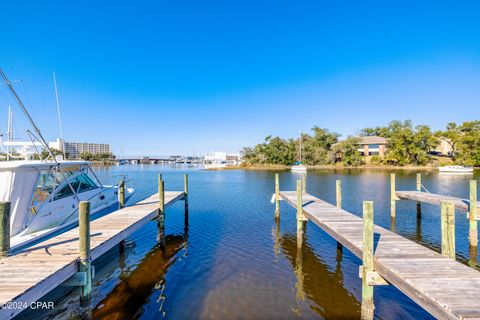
(80, 183)
(49, 180)
(46, 183)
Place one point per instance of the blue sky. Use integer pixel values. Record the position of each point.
(164, 77)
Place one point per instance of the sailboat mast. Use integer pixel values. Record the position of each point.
(59, 116)
(300, 147)
(27, 115)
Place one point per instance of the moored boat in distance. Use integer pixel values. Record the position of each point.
(298, 167)
(455, 169)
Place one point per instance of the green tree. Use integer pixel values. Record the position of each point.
(408, 145)
(452, 135)
(45, 154)
(468, 145)
(347, 150)
(86, 156)
(318, 147)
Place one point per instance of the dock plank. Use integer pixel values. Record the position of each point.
(56, 259)
(442, 286)
(433, 198)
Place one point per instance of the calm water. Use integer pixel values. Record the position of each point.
(234, 262)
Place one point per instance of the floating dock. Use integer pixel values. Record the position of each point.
(27, 276)
(445, 288)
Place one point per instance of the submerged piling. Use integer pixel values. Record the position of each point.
(368, 307)
(85, 263)
(4, 228)
(448, 229)
(472, 215)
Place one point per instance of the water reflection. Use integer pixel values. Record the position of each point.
(319, 284)
(132, 292)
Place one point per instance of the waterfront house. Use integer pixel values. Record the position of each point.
(444, 148)
(372, 146)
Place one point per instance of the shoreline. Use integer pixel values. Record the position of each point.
(327, 167)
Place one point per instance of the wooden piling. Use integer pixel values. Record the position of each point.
(277, 196)
(4, 228)
(121, 194)
(161, 194)
(472, 216)
(300, 217)
(419, 188)
(339, 193)
(85, 264)
(185, 190)
(393, 197)
(367, 261)
(448, 229)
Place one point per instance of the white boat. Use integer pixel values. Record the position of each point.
(44, 196)
(455, 169)
(299, 166)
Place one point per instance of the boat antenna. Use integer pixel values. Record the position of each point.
(59, 116)
(27, 115)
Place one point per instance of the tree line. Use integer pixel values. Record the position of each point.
(406, 145)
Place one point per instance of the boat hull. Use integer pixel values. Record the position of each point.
(29, 237)
(455, 169)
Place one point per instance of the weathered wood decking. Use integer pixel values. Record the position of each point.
(30, 274)
(432, 198)
(445, 288)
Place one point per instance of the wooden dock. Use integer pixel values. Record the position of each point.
(445, 288)
(432, 198)
(27, 276)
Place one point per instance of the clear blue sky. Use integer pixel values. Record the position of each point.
(163, 77)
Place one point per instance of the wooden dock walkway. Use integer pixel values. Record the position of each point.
(445, 288)
(27, 276)
(432, 198)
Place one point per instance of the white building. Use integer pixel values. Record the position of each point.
(74, 149)
(221, 159)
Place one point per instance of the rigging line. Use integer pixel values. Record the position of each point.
(59, 116)
(27, 115)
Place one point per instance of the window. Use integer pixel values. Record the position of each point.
(80, 183)
(86, 183)
(374, 146)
